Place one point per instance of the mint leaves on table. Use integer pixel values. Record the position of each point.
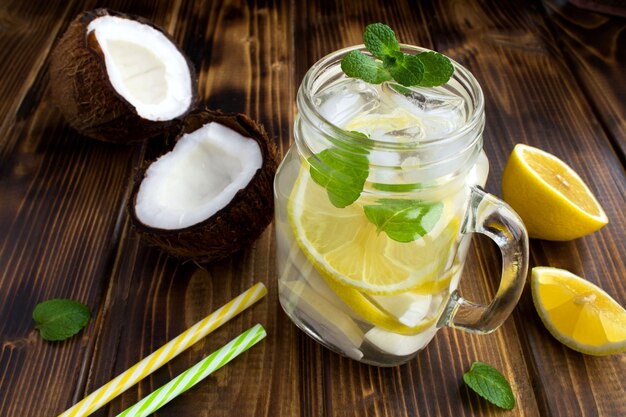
(490, 384)
(403, 220)
(427, 69)
(60, 319)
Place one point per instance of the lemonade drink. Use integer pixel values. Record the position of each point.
(370, 276)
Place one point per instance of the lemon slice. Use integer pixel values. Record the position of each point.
(406, 313)
(552, 200)
(373, 313)
(345, 247)
(401, 122)
(578, 313)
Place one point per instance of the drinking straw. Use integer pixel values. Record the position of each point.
(158, 358)
(195, 374)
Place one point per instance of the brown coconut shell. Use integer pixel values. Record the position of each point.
(81, 88)
(233, 227)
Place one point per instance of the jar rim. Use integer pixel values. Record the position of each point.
(461, 74)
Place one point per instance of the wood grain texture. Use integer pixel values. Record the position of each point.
(432, 384)
(533, 97)
(30, 29)
(594, 47)
(242, 68)
(552, 79)
(62, 210)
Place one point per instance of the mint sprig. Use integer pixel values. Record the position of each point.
(60, 319)
(427, 69)
(403, 220)
(490, 384)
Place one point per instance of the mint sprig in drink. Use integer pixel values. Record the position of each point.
(372, 202)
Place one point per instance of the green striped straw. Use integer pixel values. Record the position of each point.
(196, 373)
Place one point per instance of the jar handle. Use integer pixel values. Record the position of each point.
(492, 217)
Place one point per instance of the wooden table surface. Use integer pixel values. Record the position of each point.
(553, 77)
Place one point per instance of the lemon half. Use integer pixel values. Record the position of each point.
(578, 313)
(552, 200)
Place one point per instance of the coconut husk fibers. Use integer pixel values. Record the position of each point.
(233, 227)
(81, 88)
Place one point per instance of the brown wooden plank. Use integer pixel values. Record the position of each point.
(59, 222)
(64, 231)
(61, 216)
(241, 51)
(27, 32)
(430, 385)
(533, 97)
(595, 49)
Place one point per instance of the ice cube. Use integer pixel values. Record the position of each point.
(386, 159)
(388, 124)
(397, 344)
(439, 111)
(342, 102)
(410, 162)
(430, 100)
(410, 309)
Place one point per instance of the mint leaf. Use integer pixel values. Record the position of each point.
(341, 173)
(392, 60)
(358, 65)
(428, 69)
(397, 188)
(60, 319)
(403, 220)
(380, 40)
(437, 69)
(400, 89)
(407, 71)
(490, 384)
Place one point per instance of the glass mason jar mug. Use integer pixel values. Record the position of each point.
(375, 206)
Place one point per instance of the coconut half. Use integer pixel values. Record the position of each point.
(119, 78)
(211, 195)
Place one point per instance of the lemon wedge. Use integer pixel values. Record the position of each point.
(552, 200)
(578, 313)
(347, 249)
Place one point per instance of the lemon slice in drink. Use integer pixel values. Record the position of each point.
(371, 312)
(407, 313)
(578, 313)
(347, 249)
(552, 200)
(375, 125)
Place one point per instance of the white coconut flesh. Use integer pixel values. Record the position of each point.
(197, 178)
(144, 67)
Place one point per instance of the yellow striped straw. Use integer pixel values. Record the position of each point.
(158, 358)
